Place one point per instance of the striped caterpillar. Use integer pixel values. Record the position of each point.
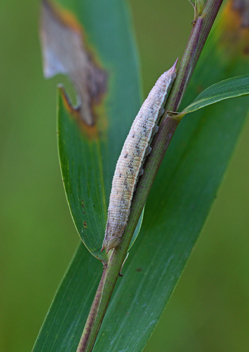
(131, 159)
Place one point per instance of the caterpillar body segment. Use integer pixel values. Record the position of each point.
(130, 162)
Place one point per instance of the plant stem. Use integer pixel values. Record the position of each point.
(192, 52)
(117, 258)
(92, 314)
(160, 144)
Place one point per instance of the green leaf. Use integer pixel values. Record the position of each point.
(229, 88)
(61, 328)
(88, 157)
(88, 154)
(137, 229)
(177, 207)
(179, 201)
(83, 180)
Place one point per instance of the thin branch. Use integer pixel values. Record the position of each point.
(92, 314)
(160, 144)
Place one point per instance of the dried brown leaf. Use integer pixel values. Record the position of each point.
(65, 51)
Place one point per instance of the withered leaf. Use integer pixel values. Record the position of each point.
(65, 51)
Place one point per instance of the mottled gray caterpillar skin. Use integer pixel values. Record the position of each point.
(130, 162)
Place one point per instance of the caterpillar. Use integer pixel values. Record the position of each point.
(130, 162)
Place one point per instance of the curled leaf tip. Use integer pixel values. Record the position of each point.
(89, 130)
(64, 51)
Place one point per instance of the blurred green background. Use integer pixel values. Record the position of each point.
(209, 310)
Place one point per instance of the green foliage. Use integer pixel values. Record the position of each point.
(177, 207)
(63, 326)
(83, 164)
(208, 309)
(88, 158)
(229, 88)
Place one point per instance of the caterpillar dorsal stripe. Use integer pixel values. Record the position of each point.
(131, 159)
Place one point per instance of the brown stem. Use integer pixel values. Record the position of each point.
(92, 314)
(160, 144)
(192, 52)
